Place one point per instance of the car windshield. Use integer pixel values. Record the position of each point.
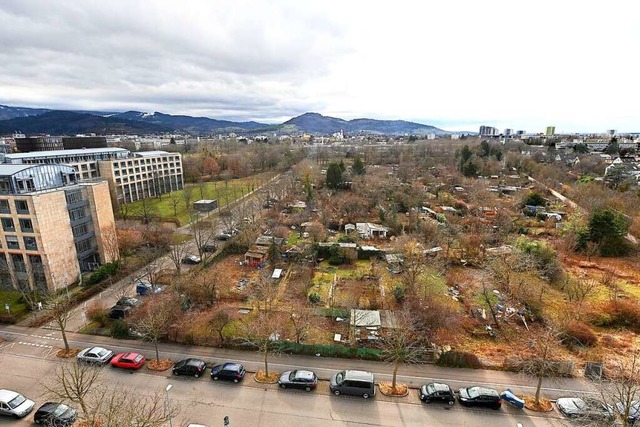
(138, 358)
(431, 389)
(16, 401)
(340, 377)
(473, 392)
(102, 352)
(61, 409)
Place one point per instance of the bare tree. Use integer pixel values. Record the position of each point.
(154, 322)
(263, 332)
(622, 389)
(174, 200)
(60, 309)
(146, 210)
(221, 318)
(398, 345)
(202, 233)
(152, 262)
(177, 252)
(118, 409)
(300, 322)
(110, 243)
(490, 300)
(75, 382)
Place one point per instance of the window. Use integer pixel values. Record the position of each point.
(18, 263)
(4, 206)
(30, 243)
(26, 225)
(84, 245)
(73, 197)
(8, 225)
(79, 230)
(22, 207)
(77, 214)
(12, 242)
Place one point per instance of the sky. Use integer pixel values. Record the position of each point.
(453, 64)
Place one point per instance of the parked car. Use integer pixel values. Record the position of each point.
(305, 380)
(223, 236)
(95, 355)
(14, 404)
(194, 367)
(229, 371)
(191, 259)
(634, 411)
(480, 396)
(584, 408)
(144, 287)
(128, 361)
(55, 414)
(511, 398)
(209, 247)
(437, 392)
(119, 311)
(129, 302)
(354, 383)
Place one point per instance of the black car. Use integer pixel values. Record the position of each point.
(129, 302)
(223, 236)
(119, 312)
(305, 380)
(194, 367)
(209, 247)
(55, 414)
(191, 260)
(585, 409)
(480, 396)
(437, 392)
(229, 371)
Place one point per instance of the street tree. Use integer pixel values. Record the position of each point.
(177, 251)
(60, 308)
(621, 389)
(155, 319)
(399, 346)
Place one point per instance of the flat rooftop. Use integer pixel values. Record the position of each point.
(64, 153)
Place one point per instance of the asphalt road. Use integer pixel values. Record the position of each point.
(26, 368)
(249, 403)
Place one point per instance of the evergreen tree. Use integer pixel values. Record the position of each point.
(334, 176)
(358, 166)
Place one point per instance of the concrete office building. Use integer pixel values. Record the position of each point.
(144, 174)
(52, 228)
(132, 176)
(550, 131)
(488, 131)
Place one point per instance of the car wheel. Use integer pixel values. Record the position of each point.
(307, 389)
(235, 380)
(365, 396)
(496, 407)
(215, 378)
(175, 373)
(336, 392)
(283, 386)
(197, 375)
(451, 402)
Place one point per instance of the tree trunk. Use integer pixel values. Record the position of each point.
(395, 373)
(266, 364)
(155, 343)
(538, 389)
(64, 335)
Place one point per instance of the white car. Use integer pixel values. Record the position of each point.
(96, 355)
(14, 404)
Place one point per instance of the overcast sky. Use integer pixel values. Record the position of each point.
(453, 64)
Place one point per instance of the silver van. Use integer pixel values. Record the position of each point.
(354, 383)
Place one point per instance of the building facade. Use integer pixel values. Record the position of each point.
(550, 131)
(26, 144)
(52, 228)
(132, 176)
(145, 174)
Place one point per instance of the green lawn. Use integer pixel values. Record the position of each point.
(17, 307)
(163, 207)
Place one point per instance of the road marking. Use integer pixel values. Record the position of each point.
(31, 344)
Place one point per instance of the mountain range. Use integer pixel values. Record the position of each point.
(47, 121)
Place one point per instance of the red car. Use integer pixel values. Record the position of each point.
(128, 360)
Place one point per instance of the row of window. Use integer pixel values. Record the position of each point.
(19, 264)
(22, 207)
(29, 243)
(26, 226)
(144, 176)
(172, 169)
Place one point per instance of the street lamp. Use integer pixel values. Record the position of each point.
(169, 404)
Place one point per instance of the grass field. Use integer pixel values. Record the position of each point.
(18, 308)
(163, 207)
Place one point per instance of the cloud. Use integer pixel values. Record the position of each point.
(503, 63)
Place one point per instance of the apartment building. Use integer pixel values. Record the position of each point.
(132, 176)
(26, 144)
(52, 227)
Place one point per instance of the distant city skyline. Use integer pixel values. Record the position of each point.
(455, 65)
